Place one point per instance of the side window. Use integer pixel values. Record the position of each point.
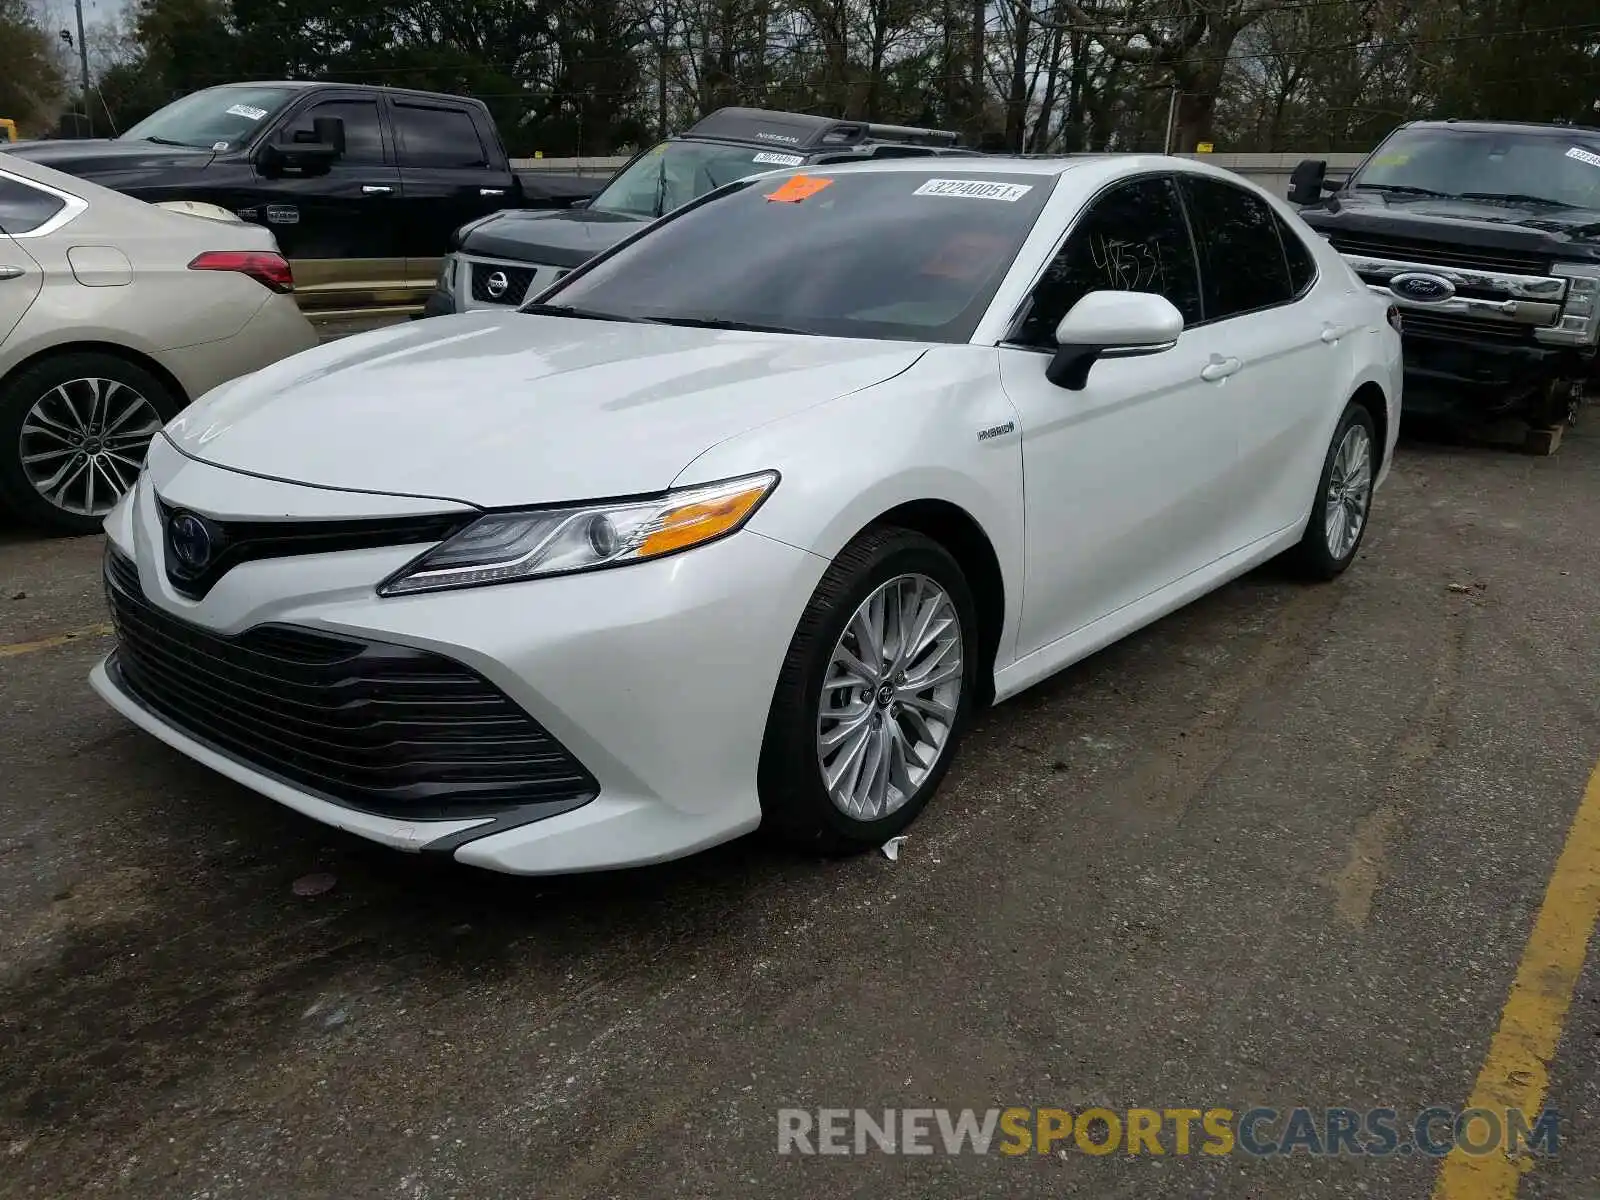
(23, 209)
(1240, 253)
(1134, 239)
(437, 137)
(363, 135)
(1302, 264)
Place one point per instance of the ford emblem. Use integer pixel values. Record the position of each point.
(497, 284)
(191, 541)
(1422, 287)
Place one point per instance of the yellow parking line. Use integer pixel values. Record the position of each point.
(1516, 1072)
(60, 639)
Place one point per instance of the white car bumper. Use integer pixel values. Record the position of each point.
(656, 677)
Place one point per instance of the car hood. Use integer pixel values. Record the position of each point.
(562, 237)
(1498, 224)
(508, 409)
(87, 157)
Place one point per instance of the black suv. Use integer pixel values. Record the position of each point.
(505, 258)
(1486, 235)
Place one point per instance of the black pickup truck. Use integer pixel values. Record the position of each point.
(502, 259)
(1486, 235)
(363, 186)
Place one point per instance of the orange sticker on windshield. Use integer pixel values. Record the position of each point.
(797, 187)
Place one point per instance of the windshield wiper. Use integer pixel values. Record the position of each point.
(580, 314)
(1516, 198)
(661, 187)
(160, 141)
(722, 323)
(1401, 189)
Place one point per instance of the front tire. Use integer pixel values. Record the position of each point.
(1344, 498)
(873, 696)
(74, 429)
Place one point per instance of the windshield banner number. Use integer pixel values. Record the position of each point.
(975, 189)
(1584, 156)
(249, 111)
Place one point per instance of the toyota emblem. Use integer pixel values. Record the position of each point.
(1422, 287)
(191, 541)
(497, 284)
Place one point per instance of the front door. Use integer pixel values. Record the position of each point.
(1124, 480)
(341, 230)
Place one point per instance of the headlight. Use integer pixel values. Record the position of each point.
(447, 273)
(502, 547)
(1579, 321)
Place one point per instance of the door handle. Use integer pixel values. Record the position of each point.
(491, 191)
(376, 189)
(1219, 368)
(1332, 333)
(11, 272)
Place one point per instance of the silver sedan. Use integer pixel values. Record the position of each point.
(114, 315)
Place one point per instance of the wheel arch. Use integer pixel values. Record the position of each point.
(954, 528)
(137, 358)
(1370, 396)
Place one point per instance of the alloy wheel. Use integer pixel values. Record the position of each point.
(890, 696)
(83, 442)
(1349, 492)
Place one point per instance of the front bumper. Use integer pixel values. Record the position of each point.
(1483, 375)
(657, 677)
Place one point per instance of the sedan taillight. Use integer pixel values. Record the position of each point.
(267, 269)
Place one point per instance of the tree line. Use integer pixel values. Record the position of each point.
(597, 77)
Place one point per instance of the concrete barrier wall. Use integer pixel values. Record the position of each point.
(1271, 171)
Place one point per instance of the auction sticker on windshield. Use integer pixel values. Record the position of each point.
(247, 110)
(1584, 156)
(782, 160)
(975, 189)
(797, 187)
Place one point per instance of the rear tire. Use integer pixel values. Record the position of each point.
(1343, 504)
(902, 735)
(74, 429)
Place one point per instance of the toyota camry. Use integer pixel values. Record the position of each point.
(739, 523)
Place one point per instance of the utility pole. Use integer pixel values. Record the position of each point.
(83, 65)
(1172, 115)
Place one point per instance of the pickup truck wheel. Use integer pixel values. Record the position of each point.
(73, 434)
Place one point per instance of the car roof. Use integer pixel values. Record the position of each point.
(1538, 128)
(995, 164)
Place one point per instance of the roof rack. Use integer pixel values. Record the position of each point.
(807, 132)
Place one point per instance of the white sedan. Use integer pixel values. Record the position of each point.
(739, 523)
(114, 314)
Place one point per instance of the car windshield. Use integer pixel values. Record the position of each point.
(1527, 168)
(674, 173)
(215, 119)
(878, 254)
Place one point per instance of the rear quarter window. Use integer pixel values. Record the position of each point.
(23, 208)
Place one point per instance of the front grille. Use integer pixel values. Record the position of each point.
(518, 280)
(1453, 325)
(1439, 254)
(374, 726)
(235, 542)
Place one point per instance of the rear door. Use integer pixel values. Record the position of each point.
(448, 176)
(23, 209)
(1264, 319)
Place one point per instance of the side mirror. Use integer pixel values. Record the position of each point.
(1307, 181)
(312, 154)
(1111, 325)
(329, 131)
